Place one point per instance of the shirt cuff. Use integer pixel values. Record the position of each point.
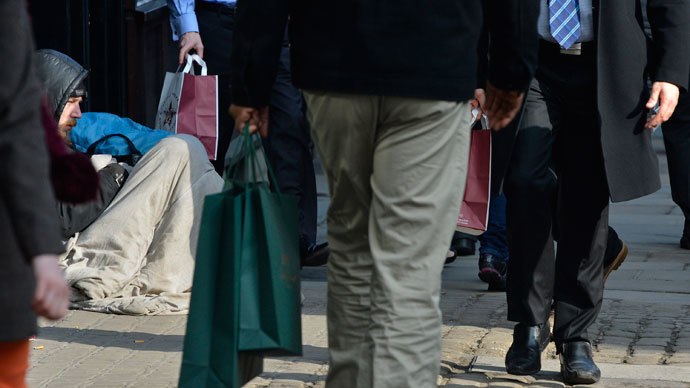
(184, 24)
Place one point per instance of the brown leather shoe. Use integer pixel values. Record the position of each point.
(616, 252)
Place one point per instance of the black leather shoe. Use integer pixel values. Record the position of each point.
(524, 355)
(464, 247)
(499, 286)
(616, 252)
(450, 256)
(313, 254)
(577, 365)
(492, 269)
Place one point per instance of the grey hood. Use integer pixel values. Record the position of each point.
(62, 78)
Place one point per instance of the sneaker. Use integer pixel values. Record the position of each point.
(616, 252)
(313, 254)
(492, 270)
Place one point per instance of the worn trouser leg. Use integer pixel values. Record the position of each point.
(215, 29)
(677, 141)
(150, 227)
(14, 362)
(530, 188)
(494, 240)
(582, 217)
(559, 126)
(288, 146)
(394, 167)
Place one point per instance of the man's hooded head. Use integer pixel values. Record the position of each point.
(63, 80)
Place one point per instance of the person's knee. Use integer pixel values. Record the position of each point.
(183, 147)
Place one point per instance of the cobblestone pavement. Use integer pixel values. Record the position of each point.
(642, 336)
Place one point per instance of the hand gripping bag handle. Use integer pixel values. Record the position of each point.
(251, 159)
(484, 120)
(191, 58)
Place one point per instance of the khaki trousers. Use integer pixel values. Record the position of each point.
(138, 256)
(396, 171)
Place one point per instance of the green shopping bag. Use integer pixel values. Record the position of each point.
(270, 310)
(210, 357)
(246, 283)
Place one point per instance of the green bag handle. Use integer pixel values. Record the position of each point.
(246, 145)
(252, 158)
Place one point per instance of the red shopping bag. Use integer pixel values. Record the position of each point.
(474, 213)
(189, 105)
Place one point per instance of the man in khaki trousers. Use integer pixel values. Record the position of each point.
(387, 90)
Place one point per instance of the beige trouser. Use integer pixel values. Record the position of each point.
(396, 172)
(143, 245)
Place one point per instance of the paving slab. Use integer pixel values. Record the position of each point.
(641, 338)
(494, 366)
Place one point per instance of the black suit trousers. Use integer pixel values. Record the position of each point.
(288, 146)
(677, 141)
(556, 188)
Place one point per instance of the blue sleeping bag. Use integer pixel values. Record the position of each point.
(93, 126)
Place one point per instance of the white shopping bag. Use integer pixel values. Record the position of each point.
(189, 105)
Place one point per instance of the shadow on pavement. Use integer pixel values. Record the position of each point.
(112, 338)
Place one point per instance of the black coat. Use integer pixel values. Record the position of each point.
(28, 223)
(625, 59)
(401, 48)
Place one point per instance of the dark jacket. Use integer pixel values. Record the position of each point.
(623, 67)
(28, 223)
(60, 76)
(402, 47)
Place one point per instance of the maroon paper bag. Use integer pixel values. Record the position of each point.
(198, 111)
(189, 105)
(474, 213)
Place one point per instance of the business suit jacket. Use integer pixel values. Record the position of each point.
(625, 59)
(384, 47)
(28, 221)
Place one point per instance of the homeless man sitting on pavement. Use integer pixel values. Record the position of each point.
(133, 251)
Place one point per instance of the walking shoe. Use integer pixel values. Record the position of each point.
(492, 270)
(461, 245)
(450, 256)
(464, 247)
(524, 355)
(313, 254)
(499, 286)
(577, 365)
(615, 254)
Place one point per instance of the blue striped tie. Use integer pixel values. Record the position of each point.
(564, 20)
